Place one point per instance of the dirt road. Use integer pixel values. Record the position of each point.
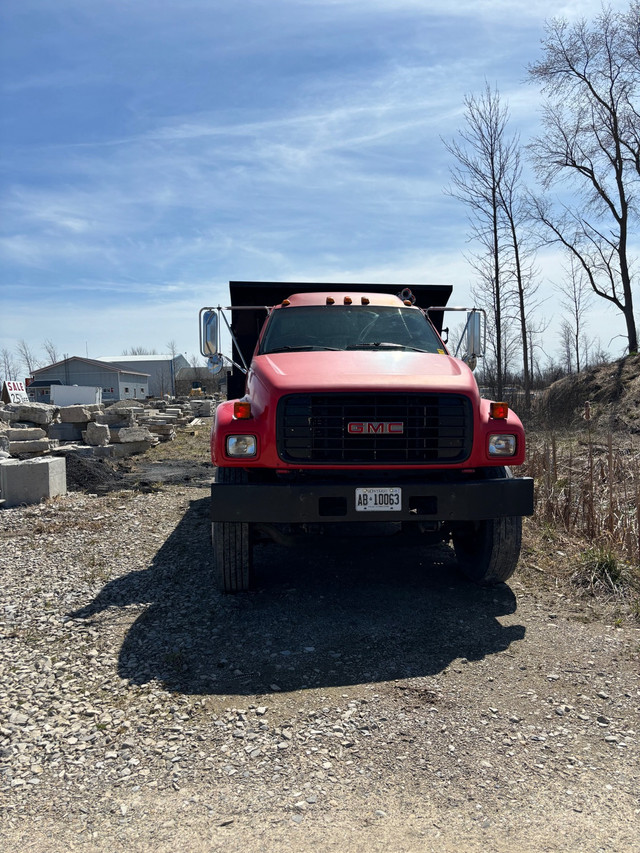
(363, 698)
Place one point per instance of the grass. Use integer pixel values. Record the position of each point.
(588, 498)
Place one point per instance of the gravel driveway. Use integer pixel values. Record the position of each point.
(361, 699)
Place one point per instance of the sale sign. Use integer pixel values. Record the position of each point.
(14, 392)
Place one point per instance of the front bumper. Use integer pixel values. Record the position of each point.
(471, 500)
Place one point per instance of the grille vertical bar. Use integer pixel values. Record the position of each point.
(313, 428)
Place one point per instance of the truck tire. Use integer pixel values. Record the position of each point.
(488, 551)
(232, 547)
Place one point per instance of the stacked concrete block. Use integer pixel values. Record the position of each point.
(126, 435)
(27, 440)
(164, 432)
(127, 441)
(125, 428)
(202, 408)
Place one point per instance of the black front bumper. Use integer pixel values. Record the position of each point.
(471, 500)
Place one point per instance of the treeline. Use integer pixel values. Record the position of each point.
(586, 163)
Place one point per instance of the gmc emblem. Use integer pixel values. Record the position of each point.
(375, 428)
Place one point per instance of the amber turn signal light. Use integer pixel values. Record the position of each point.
(499, 411)
(242, 409)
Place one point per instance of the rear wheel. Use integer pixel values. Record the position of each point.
(232, 546)
(488, 551)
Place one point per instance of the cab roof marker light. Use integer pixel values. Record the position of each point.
(330, 300)
(408, 302)
(348, 300)
(499, 411)
(285, 303)
(364, 300)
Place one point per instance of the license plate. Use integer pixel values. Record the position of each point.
(379, 500)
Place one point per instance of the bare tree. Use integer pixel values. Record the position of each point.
(536, 348)
(567, 345)
(487, 179)
(9, 365)
(139, 351)
(52, 351)
(516, 214)
(172, 349)
(576, 299)
(590, 75)
(29, 361)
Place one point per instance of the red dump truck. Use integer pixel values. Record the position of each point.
(345, 406)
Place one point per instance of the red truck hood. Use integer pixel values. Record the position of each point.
(305, 372)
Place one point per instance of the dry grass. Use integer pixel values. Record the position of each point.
(588, 493)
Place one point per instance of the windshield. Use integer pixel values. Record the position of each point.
(349, 327)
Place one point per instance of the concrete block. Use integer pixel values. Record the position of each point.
(36, 413)
(105, 452)
(79, 450)
(76, 414)
(96, 434)
(32, 480)
(137, 433)
(66, 431)
(42, 445)
(131, 447)
(26, 434)
(114, 416)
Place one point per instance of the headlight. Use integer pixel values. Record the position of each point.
(241, 445)
(502, 445)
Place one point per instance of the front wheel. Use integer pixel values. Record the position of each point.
(232, 546)
(488, 551)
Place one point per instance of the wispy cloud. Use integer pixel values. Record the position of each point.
(153, 151)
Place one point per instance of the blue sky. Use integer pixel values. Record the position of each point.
(152, 150)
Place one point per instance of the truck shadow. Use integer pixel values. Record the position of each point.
(338, 614)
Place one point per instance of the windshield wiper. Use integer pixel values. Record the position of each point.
(307, 348)
(386, 345)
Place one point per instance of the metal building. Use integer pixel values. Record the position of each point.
(162, 370)
(116, 383)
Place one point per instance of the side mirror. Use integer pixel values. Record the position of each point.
(473, 339)
(215, 363)
(209, 332)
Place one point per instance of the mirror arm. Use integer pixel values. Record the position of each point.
(470, 358)
(212, 364)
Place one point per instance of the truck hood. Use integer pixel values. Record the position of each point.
(358, 370)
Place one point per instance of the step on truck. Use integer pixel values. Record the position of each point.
(345, 406)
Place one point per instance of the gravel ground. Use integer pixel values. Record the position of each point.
(361, 699)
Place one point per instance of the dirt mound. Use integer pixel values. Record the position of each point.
(613, 393)
(90, 474)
